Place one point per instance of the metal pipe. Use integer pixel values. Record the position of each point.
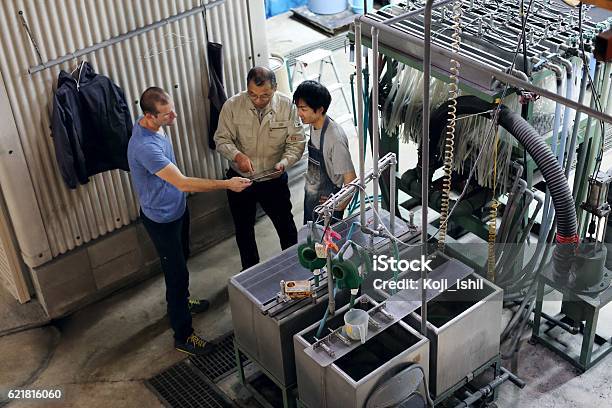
(123, 37)
(569, 94)
(572, 146)
(563, 325)
(359, 69)
(582, 164)
(416, 12)
(595, 146)
(519, 74)
(609, 101)
(375, 133)
(348, 190)
(331, 302)
(472, 398)
(425, 156)
(515, 184)
(392, 199)
(486, 69)
(606, 95)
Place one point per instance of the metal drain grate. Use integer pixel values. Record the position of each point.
(181, 386)
(331, 44)
(220, 362)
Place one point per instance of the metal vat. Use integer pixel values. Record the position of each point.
(464, 327)
(352, 378)
(264, 327)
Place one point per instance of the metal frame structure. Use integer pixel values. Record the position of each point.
(398, 41)
(346, 192)
(390, 34)
(494, 363)
(590, 305)
(289, 401)
(395, 41)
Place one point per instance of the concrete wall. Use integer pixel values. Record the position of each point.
(125, 256)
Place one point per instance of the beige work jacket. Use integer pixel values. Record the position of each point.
(279, 138)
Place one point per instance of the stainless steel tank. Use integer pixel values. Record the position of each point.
(350, 379)
(263, 326)
(464, 327)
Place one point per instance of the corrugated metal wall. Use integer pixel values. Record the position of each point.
(73, 217)
(6, 275)
(11, 273)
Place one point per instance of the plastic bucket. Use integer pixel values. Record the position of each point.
(357, 6)
(356, 324)
(277, 64)
(326, 6)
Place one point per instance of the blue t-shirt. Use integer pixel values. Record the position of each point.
(148, 153)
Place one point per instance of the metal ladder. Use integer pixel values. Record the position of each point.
(322, 57)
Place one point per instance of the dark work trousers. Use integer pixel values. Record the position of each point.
(171, 240)
(275, 199)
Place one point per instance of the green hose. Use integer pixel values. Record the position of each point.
(366, 103)
(324, 319)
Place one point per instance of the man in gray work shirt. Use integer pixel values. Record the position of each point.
(259, 132)
(329, 159)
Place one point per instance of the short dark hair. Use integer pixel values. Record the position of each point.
(313, 94)
(151, 97)
(261, 75)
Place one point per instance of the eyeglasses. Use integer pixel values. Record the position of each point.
(264, 97)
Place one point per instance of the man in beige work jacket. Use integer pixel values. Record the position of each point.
(260, 134)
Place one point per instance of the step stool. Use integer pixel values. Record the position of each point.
(322, 57)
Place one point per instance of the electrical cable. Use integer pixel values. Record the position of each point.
(493, 118)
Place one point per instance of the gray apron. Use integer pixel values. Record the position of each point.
(318, 183)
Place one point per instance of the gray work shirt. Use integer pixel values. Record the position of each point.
(336, 151)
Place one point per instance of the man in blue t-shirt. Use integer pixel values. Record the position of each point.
(161, 189)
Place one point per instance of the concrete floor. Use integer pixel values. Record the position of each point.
(101, 355)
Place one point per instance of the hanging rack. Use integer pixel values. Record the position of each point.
(122, 37)
(181, 39)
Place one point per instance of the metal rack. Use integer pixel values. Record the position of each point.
(407, 37)
(401, 36)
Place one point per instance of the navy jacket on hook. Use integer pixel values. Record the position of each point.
(91, 125)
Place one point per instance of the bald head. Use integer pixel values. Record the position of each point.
(260, 75)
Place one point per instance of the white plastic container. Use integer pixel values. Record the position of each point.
(356, 324)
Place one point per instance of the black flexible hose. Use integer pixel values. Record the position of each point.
(534, 144)
(548, 165)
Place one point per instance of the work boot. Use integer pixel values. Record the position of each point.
(198, 305)
(194, 345)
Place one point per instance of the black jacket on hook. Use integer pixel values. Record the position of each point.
(91, 125)
(216, 91)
